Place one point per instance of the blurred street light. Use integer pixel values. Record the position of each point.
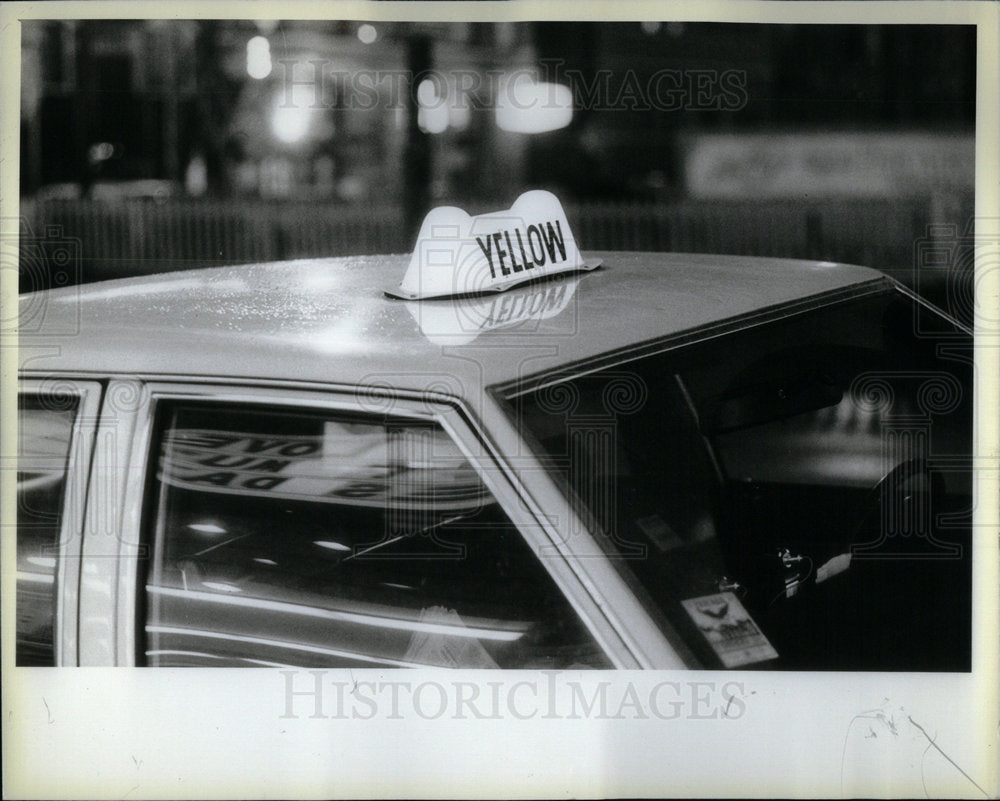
(432, 113)
(459, 114)
(525, 106)
(258, 58)
(293, 115)
(99, 152)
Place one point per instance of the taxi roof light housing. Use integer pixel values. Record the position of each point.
(457, 254)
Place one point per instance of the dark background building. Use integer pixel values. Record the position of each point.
(156, 145)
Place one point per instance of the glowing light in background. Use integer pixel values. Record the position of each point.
(294, 115)
(258, 58)
(101, 151)
(367, 33)
(525, 106)
(427, 93)
(650, 27)
(432, 112)
(459, 114)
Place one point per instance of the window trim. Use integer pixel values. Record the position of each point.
(531, 382)
(73, 517)
(124, 499)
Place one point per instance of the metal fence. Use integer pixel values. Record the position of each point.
(133, 237)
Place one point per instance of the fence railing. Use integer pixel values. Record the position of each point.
(121, 238)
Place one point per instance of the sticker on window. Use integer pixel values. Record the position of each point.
(729, 629)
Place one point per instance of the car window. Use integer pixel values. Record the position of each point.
(797, 495)
(291, 537)
(44, 441)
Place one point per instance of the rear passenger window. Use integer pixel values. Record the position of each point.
(44, 441)
(285, 537)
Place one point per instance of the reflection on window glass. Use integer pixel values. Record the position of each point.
(284, 537)
(796, 495)
(43, 452)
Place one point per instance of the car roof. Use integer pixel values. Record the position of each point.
(327, 320)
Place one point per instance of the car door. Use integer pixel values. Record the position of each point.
(274, 526)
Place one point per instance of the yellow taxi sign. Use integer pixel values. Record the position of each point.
(458, 254)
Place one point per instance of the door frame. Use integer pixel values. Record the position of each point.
(114, 543)
(67, 577)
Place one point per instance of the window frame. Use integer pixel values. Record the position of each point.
(72, 522)
(122, 481)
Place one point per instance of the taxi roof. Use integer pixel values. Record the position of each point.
(328, 320)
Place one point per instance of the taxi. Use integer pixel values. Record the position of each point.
(496, 452)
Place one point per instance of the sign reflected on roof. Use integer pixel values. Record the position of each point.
(461, 321)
